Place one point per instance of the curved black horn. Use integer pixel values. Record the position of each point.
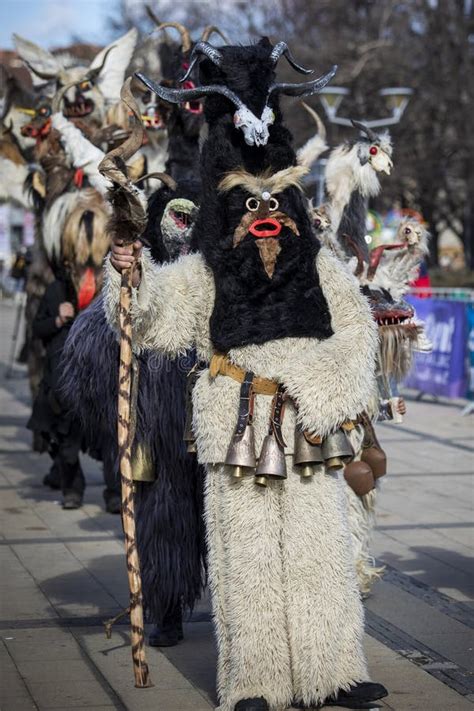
(371, 135)
(93, 73)
(151, 15)
(306, 88)
(282, 49)
(179, 96)
(202, 48)
(47, 76)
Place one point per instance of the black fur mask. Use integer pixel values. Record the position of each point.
(267, 287)
(264, 291)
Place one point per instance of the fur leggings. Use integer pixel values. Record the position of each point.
(286, 606)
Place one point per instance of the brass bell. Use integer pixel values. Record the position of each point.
(360, 478)
(261, 480)
(306, 454)
(376, 458)
(272, 462)
(337, 450)
(241, 452)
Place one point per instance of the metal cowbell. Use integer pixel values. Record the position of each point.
(337, 450)
(272, 462)
(241, 452)
(360, 478)
(376, 458)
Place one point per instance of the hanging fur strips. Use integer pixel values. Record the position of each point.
(128, 223)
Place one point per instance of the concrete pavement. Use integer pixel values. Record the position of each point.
(63, 573)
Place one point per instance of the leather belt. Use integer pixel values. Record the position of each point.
(221, 365)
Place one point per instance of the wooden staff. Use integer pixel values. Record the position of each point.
(128, 222)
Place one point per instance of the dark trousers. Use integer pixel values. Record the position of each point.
(67, 459)
(111, 477)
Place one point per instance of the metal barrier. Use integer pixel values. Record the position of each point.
(449, 293)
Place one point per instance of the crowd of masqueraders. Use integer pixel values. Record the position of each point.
(267, 340)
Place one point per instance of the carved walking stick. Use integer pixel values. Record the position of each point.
(128, 222)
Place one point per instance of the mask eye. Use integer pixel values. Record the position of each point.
(85, 85)
(44, 111)
(373, 150)
(273, 204)
(252, 204)
(407, 230)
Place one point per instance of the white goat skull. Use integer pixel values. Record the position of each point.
(255, 130)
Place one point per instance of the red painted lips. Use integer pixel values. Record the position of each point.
(269, 227)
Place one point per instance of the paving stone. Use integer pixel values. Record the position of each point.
(41, 644)
(70, 694)
(44, 671)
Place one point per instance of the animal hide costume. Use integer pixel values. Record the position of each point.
(384, 275)
(168, 480)
(291, 344)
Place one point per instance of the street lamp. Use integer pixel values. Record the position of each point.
(396, 100)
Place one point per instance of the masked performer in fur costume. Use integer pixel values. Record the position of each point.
(168, 479)
(384, 274)
(83, 248)
(291, 345)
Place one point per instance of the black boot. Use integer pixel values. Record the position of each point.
(256, 704)
(53, 477)
(359, 696)
(170, 632)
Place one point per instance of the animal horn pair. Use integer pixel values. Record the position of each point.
(178, 96)
(371, 135)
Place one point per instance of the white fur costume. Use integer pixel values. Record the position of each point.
(286, 605)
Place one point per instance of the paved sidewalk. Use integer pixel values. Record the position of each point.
(63, 573)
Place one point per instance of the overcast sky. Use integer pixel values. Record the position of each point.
(53, 23)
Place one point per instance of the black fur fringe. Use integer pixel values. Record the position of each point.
(168, 511)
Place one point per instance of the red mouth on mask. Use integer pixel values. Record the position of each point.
(268, 227)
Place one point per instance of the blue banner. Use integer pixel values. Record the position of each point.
(470, 350)
(443, 371)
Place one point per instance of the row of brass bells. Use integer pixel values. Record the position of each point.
(306, 455)
(337, 450)
(241, 453)
(360, 477)
(272, 463)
